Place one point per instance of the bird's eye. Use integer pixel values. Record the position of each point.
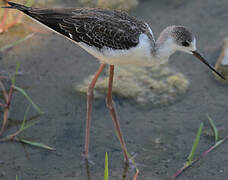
(185, 43)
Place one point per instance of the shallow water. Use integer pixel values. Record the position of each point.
(161, 137)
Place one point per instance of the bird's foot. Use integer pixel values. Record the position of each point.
(132, 164)
(86, 159)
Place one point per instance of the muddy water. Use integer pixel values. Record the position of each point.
(161, 137)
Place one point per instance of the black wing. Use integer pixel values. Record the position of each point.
(93, 26)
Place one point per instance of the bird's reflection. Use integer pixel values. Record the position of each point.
(125, 171)
(87, 169)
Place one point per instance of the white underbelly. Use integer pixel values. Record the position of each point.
(131, 56)
(139, 55)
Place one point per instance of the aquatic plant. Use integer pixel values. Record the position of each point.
(106, 174)
(6, 107)
(106, 167)
(190, 161)
(157, 85)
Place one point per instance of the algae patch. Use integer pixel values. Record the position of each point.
(157, 85)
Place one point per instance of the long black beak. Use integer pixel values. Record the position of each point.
(196, 54)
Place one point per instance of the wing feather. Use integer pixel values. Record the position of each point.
(93, 26)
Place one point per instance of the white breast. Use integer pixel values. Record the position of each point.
(139, 55)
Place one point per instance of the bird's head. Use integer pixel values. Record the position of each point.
(183, 39)
(179, 38)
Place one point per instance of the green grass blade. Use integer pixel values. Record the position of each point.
(37, 144)
(16, 42)
(28, 98)
(214, 128)
(28, 125)
(13, 78)
(106, 167)
(194, 146)
(25, 116)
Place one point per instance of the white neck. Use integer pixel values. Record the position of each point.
(164, 48)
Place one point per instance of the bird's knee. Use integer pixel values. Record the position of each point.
(90, 93)
(109, 103)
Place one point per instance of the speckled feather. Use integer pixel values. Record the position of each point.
(181, 34)
(93, 26)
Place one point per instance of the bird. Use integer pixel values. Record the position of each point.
(114, 38)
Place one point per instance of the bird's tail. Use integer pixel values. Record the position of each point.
(17, 6)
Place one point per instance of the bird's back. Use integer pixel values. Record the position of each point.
(92, 26)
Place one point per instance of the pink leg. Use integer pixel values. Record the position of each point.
(111, 107)
(89, 108)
